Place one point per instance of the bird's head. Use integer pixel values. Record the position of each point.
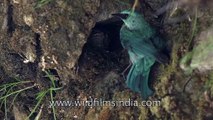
(133, 20)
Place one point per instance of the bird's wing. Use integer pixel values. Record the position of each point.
(138, 76)
(158, 42)
(146, 47)
(149, 45)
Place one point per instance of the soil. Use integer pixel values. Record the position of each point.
(77, 44)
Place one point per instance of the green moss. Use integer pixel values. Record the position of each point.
(41, 3)
(168, 104)
(194, 30)
(166, 71)
(209, 83)
(143, 113)
(155, 110)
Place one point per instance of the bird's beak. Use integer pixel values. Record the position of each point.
(122, 16)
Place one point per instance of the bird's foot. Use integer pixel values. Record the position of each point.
(123, 73)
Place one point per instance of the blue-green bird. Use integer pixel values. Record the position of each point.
(144, 48)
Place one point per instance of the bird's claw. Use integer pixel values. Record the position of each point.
(123, 73)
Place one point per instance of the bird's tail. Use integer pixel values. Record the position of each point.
(138, 76)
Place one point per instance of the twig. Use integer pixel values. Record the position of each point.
(187, 82)
(134, 5)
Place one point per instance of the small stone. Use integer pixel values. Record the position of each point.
(16, 1)
(28, 19)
